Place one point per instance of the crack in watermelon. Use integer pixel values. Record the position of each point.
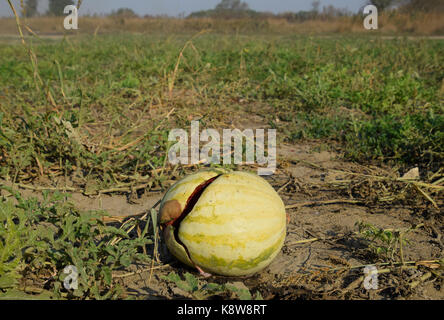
(191, 202)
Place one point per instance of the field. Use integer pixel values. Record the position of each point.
(391, 23)
(84, 123)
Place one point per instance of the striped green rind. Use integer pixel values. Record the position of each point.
(183, 188)
(175, 248)
(237, 226)
(239, 266)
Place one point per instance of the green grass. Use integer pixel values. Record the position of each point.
(38, 239)
(201, 290)
(382, 99)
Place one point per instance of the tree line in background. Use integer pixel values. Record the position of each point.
(241, 9)
(55, 7)
(238, 8)
(409, 5)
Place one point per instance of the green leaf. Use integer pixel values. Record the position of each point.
(258, 296)
(15, 294)
(117, 232)
(192, 281)
(242, 292)
(78, 293)
(125, 260)
(213, 287)
(7, 281)
(172, 276)
(110, 260)
(154, 218)
(107, 276)
(184, 286)
(142, 257)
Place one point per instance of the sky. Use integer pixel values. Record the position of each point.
(177, 7)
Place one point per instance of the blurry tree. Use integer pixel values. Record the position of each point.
(331, 11)
(315, 5)
(382, 4)
(31, 8)
(235, 5)
(421, 5)
(56, 7)
(124, 12)
(410, 5)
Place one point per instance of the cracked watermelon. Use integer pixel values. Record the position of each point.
(225, 223)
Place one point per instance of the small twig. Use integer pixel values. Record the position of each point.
(414, 284)
(401, 251)
(405, 180)
(128, 145)
(116, 189)
(283, 187)
(32, 32)
(304, 241)
(320, 203)
(358, 281)
(141, 271)
(407, 264)
(40, 188)
(17, 21)
(124, 188)
(143, 217)
(172, 80)
(426, 195)
(32, 57)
